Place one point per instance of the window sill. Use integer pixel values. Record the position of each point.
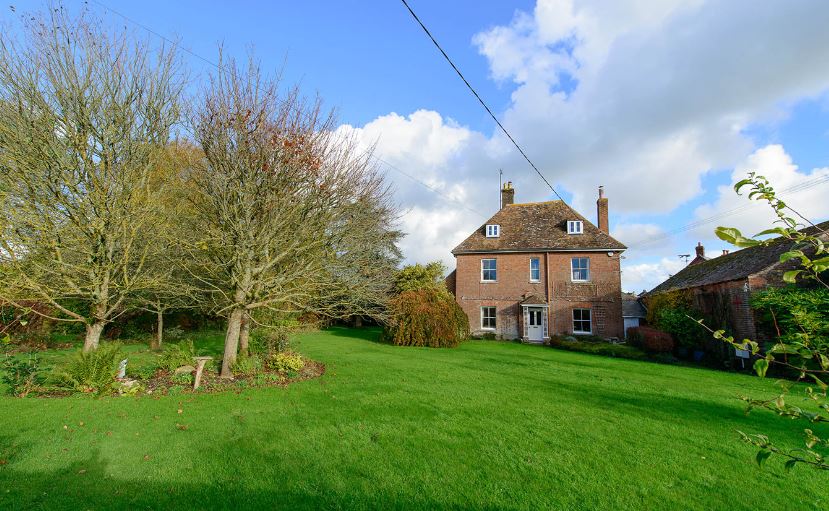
(582, 333)
(535, 282)
(489, 282)
(580, 281)
(488, 329)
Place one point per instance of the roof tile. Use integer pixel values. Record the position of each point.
(537, 226)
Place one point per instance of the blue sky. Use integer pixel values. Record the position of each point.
(665, 103)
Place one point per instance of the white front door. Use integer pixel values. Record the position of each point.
(535, 325)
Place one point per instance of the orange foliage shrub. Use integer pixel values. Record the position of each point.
(651, 339)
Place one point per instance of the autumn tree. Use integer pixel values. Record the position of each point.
(85, 113)
(173, 286)
(274, 193)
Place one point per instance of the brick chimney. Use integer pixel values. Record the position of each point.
(601, 208)
(507, 194)
(700, 249)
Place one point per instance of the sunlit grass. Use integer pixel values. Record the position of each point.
(488, 425)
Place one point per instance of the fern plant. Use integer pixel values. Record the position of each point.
(92, 372)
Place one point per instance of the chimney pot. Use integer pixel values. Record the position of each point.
(725, 252)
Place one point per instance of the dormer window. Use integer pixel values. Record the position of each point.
(493, 231)
(575, 227)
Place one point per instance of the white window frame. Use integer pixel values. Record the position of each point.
(575, 227)
(537, 260)
(589, 321)
(494, 317)
(573, 270)
(495, 269)
(493, 231)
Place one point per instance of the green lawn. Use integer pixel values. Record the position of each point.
(488, 425)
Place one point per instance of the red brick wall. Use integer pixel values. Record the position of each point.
(602, 294)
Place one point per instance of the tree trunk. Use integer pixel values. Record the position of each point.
(155, 344)
(244, 335)
(234, 325)
(93, 336)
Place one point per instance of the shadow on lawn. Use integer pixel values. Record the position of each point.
(89, 484)
(372, 333)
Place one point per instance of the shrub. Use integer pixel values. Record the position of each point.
(269, 340)
(795, 315)
(598, 348)
(669, 312)
(174, 333)
(427, 317)
(20, 375)
(634, 337)
(92, 372)
(177, 355)
(415, 277)
(653, 340)
(285, 362)
(247, 365)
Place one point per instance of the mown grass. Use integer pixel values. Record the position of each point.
(488, 425)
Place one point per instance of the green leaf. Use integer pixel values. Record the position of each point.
(791, 276)
(762, 456)
(741, 183)
(775, 230)
(746, 242)
(790, 464)
(729, 234)
(761, 365)
(785, 256)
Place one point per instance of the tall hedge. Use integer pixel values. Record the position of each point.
(427, 317)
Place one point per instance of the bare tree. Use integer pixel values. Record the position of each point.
(271, 190)
(84, 115)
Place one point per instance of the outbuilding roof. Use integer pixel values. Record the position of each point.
(732, 266)
(632, 307)
(537, 227)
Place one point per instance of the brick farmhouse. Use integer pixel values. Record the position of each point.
(539, 269)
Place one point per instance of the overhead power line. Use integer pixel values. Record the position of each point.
(728, 213)
(157, 34)
(217, 66)
(430, 187)
(795, 188)
(480, 100)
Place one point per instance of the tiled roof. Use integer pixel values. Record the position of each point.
(537, 226)
(632, 307)
(733, 266)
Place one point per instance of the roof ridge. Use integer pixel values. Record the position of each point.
(534, 203)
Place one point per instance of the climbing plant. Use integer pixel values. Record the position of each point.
(803, 348)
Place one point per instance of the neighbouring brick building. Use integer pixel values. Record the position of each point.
(539, 269)
(721, 287)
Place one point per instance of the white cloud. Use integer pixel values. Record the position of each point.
(646, 276)
(643, 97)
(805, 192)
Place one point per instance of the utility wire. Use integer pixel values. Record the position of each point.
(481, 101)
(430, 187)
(795, 188)
(217, 66)
(731, 212)
(160, 36)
